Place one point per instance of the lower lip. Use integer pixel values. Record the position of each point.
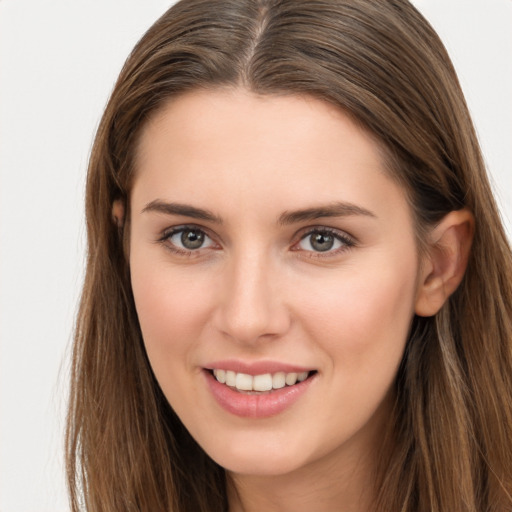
(261, 405)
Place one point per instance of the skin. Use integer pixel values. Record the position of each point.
(258, 291)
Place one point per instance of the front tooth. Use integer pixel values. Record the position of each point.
(291, 379)
(243, 382)
(230, 378)
(302, 376)
(220, 375)
(279, 380)
(262, 382)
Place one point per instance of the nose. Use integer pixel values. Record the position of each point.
(251, 306)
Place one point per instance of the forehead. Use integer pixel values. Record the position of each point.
(240, 119)
(215, 144)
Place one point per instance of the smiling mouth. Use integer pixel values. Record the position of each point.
(259, 384)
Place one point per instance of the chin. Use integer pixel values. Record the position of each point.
(259, 457)
(260, 466)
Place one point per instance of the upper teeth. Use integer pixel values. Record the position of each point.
(264, 382)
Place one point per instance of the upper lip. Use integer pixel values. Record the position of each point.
(257, 367)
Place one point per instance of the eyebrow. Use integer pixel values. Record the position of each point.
(185, 210)
(338, 209)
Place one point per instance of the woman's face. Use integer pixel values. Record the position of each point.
(269, 244)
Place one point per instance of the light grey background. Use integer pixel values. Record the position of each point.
(58, 63)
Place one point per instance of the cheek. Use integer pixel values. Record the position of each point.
(362, 323)
(382, 310)
(363, 315)
(172, 308)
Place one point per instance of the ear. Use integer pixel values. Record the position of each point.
(445, 262)
(118, 211)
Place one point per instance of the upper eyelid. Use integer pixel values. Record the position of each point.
(302, 233)
(348, 242)
(165, 239)
(167, 232)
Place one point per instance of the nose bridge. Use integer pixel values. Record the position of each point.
(252, 307)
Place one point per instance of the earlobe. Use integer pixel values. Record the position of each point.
(445, 262)
(118, 212)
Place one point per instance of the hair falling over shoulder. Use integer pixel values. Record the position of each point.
(450, 444)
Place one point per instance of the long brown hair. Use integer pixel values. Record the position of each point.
(380, 61)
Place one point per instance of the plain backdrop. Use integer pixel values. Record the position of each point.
(58, 63)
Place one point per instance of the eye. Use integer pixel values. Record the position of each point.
(324, 240)
(187, 239)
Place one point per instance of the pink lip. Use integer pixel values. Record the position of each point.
(257, 367)
(261, 405)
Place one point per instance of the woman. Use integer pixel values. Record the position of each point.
(298, 291)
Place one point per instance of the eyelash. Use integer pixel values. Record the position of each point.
(347, 241)
(165, 239)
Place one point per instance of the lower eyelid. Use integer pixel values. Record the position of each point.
(165, 240)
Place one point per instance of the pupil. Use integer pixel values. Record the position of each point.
(192, 239)
(322, 242)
